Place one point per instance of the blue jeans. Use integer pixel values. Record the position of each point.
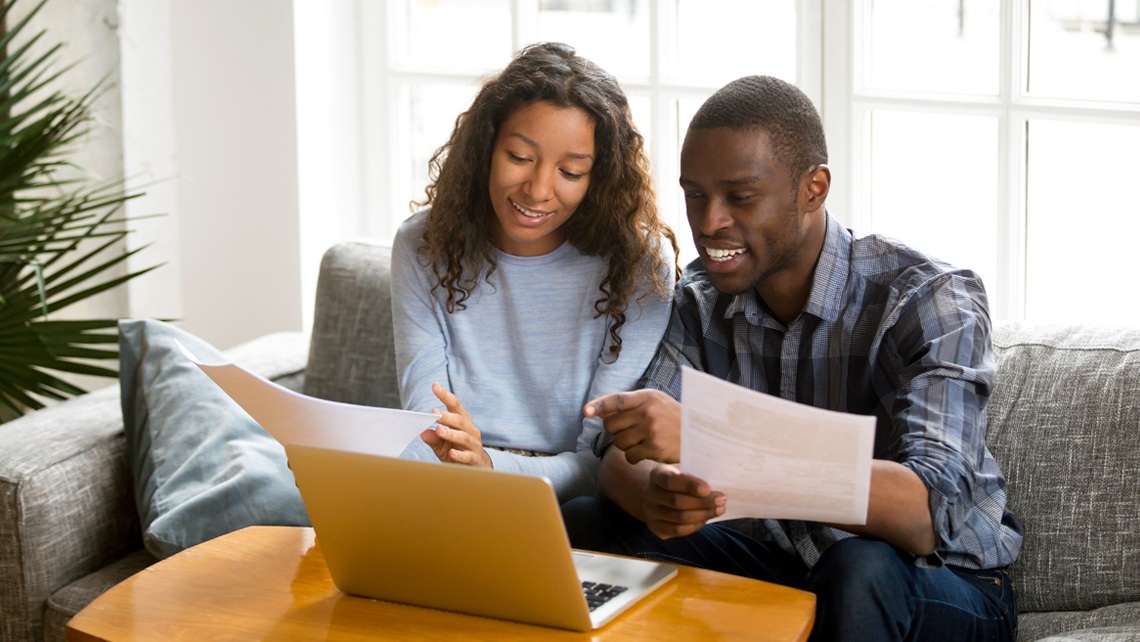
(865, 589)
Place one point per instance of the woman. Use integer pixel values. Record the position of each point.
(539, 276)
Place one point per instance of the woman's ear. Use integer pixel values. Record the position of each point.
(815, 186)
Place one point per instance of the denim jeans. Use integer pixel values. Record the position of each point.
(865, 589)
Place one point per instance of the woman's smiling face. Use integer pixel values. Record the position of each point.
(540, 171)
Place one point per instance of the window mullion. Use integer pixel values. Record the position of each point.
(1011, 214)
(837, 106)
(666, 149)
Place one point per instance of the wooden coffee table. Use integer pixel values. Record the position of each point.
(271, 583)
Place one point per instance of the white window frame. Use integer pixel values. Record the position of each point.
(847, 104)
(380, 98)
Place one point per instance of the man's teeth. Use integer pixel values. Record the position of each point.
(527, 213)
(722, 255)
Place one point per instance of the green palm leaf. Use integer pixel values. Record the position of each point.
(61, 235)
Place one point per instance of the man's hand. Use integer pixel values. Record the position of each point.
(645, 424)
(676, 504)
(455, 439)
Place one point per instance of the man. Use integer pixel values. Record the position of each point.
(786, 301)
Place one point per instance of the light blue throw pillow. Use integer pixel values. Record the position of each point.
(201, 466)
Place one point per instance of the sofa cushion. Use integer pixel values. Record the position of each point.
(201, 466)
(352, 350)
(71, 599)
(66, 506)
(1099, 634)
(1064, 424)
(1035, 626)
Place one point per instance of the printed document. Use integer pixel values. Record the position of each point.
(773, 458)
(294, 418)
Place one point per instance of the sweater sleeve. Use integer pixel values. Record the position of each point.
(576, 473)
(422, 358)
(421, 338)
(647, 316)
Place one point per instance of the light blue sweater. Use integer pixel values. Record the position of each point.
(523, 357)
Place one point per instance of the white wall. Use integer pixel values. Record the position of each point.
(210, 133)
(329, 132)
(88, 33)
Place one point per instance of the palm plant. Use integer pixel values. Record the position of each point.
(60, 233)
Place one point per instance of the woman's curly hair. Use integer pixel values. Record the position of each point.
(617, 218)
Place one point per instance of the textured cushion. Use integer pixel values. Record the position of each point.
(1101, 634)
(201, 466)
(71, 599)
(352, 354)
(1064, 423)
(65, 503)
(1035, 626)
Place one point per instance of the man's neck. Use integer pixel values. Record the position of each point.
(787, 293)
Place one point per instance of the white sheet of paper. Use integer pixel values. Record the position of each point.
(774, 458)
(294, 418)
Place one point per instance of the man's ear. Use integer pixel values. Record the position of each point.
(814, 187)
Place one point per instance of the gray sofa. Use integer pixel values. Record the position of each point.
(1064, 423)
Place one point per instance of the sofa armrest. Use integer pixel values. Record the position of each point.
(67, 505)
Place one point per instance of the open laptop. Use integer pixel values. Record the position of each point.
(460, 539)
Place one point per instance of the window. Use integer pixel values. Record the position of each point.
(992, 135)
(668, 56)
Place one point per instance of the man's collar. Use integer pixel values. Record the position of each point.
(831, 273)
(828, 282)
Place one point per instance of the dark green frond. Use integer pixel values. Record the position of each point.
(61, 233)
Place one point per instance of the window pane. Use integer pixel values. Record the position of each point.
(431, 110)
(468, 35)
(685, 108)
(612, 33)
(934, 186)
(641, 107)
(948, 46)
(1080, 253)
(1073, 53)
(709, 36)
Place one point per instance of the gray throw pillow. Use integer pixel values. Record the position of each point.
(201, 466)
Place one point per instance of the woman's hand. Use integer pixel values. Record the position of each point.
(455, 440)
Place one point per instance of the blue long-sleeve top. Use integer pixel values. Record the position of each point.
(524, 356)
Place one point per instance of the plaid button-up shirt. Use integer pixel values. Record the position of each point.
(886, 331)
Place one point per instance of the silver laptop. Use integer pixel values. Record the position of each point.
(460, 539)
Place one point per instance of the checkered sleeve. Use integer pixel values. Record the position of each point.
(945, 376)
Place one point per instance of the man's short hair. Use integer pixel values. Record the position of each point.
(774, 105)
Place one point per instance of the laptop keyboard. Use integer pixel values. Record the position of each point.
(598, 594)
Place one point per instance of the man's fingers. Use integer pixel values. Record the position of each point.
(637, 452)
(612, 403)
(671, 514)
(625, 431)
(645, 449)
(673, 502)
(669, 530)
(671, 479)
(667, 522)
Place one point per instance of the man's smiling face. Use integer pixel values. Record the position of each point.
(742, 208)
